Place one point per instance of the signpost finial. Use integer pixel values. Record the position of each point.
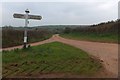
(27, 11)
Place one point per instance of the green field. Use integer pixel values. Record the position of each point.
(48, 58)
(105, 37)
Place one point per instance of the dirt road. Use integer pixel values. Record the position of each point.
(106, 52)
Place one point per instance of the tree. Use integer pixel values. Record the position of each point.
(67, 30)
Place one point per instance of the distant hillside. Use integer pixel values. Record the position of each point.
(106, 27)
(61, 26)
(102, 27)
(48, 26)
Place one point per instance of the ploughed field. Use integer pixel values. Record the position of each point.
(50, 58)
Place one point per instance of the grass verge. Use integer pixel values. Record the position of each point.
(107, 38)
(52, 57)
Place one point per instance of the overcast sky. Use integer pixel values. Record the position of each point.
(61, 13)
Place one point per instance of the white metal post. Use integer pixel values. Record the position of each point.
(25, 31)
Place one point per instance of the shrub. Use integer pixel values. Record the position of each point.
(12, 37)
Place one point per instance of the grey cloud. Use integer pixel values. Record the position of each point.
(61, 12)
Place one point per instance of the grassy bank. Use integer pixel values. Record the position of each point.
(106, 37)
(52, 57)
(102, 32)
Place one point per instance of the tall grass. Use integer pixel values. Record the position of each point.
(13, 37)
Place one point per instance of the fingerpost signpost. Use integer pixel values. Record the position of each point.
(26, 17)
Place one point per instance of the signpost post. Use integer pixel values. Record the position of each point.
(25, 31)
(26, 17)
